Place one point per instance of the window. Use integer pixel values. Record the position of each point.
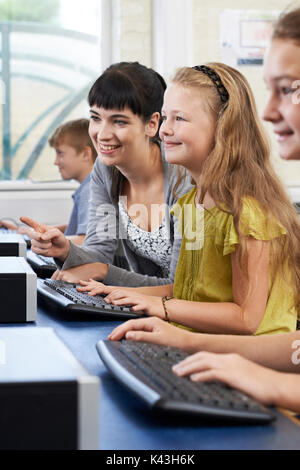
(50, 56)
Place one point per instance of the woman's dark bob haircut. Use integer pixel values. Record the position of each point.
(129, 84)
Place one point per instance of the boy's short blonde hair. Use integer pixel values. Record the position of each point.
(74, 133)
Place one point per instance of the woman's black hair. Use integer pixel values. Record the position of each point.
(132, 85)
(129, 84)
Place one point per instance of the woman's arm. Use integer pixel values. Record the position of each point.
(101, 238)
(113, 275)
(77, 239)
(136, 279)
(99, 249)
(122, 277)
(49, 241)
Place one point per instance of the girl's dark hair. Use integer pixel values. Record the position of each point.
(132, 85)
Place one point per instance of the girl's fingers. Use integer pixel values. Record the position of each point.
(144, 336)
(198, 362)
(197, 357)
(206, 376)
(142, 324)
(190, 368)
(139, 307)
(122, 301)
(95, 291)
(115, 295)
(83, 288)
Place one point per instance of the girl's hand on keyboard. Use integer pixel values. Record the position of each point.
(149, 304)
(255, 380)
(47, 240)
(93, 287)
(152, 330)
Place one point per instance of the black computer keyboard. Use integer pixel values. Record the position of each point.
(65, 295)
(43, 266)
(146, 370)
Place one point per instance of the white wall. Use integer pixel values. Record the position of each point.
(172, 35)
(48, 203)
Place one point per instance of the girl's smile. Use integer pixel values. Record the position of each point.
(169, 144)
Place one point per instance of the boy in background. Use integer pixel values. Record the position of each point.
(75, 157)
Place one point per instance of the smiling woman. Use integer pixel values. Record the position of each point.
(125, 103)
(118, 136)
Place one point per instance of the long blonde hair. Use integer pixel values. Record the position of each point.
(239, 165)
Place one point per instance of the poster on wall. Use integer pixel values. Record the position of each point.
(245, 35)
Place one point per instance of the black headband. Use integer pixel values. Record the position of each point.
(224, 95)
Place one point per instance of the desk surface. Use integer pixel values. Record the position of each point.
(126, 424)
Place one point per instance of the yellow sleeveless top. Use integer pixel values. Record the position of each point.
(204, 271)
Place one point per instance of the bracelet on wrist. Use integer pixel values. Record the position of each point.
(164, 300)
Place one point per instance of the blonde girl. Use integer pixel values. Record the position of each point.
(243, 277)
(248, 362)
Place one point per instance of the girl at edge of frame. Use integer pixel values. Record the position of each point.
(245, 278)
(125, 104)
(266, 367)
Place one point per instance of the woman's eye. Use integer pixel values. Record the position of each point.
(179, 118)
(120, 122)
(163, 118)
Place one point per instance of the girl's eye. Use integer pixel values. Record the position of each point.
(286, 90)
(94, 118)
